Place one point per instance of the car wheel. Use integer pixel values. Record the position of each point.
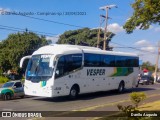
(22, 96)
(6, 96)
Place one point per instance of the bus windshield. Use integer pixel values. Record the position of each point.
(38, 68)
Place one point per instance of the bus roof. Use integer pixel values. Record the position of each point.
(71, 49)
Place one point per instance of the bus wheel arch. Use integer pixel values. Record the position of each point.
(121, 86)
(74, 91)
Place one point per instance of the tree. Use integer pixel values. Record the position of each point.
(16, 46)
(85, 36)
(148, 66)
(146, 12)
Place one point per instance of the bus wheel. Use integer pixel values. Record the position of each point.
(121, 87)
(73, 92)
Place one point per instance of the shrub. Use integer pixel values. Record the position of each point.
(137, 97)
(3, 79)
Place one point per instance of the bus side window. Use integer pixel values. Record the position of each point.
(60, 67)
(92, 60)
(108, 60)
(73, 62)
(67, 64)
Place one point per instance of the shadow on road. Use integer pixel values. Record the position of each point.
(94, 95)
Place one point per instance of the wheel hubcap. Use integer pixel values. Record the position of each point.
(73, 92)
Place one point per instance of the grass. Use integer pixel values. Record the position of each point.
(152, 106)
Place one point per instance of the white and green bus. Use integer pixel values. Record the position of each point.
(59, 70)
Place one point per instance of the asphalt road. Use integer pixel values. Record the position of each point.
(101, 101)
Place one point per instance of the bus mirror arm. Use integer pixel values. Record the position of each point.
(23, 59)
(52, 62)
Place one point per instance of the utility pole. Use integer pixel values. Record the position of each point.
(106, 8)
(157, 61)
(99, 30)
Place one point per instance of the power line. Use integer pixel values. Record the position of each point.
(133, 48)
(10, 29)
(21, 29)
(137, 47)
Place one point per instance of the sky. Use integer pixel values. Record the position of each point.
(53, 17)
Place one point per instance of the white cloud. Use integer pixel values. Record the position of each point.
(151, 27)
(142, 43)
(53, 39)
(113, 45)
(149, 49)
(145, 46)
(3, 10)
(157, 29)
(115, 28)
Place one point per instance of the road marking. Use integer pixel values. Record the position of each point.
(100, 106)
(6, 109)
(105, 105)
(109, 104)
(94, 107)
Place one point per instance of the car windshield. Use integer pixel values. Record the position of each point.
(8, 84)
(38, 68)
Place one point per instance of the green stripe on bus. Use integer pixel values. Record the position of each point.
(122, 71)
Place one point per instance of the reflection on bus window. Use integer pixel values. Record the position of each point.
(68, 63)
(38, 66)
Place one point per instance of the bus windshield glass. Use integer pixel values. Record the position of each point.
(38, 68)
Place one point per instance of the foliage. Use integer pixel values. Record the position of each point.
(146, 12)
(148, 66)
(3, 79)
(137, 97)
(84, 36)
(128, 110)
(16, 46)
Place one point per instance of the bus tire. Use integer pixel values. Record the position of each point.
(73, 92)
(121, 87)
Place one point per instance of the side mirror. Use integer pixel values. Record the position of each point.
(22, 60)
(14, 87)
(57, 72)
(51, 63)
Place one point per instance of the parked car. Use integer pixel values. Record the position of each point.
(146, 80)
(12, 90)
